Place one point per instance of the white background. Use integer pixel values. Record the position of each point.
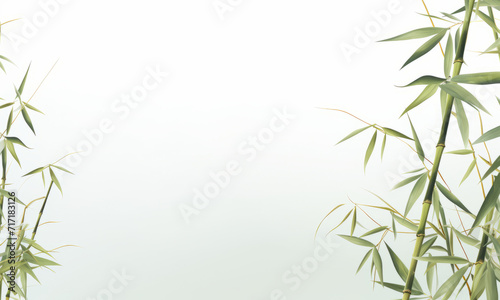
(227, 75)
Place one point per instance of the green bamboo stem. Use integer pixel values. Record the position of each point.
(457, 66)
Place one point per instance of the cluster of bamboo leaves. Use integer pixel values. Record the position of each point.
(29, 255)
(474, 270)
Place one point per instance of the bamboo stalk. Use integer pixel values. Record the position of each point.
(457, 66)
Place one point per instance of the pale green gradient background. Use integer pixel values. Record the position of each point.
(225, 79)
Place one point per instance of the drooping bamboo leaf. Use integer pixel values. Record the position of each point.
(495, 45)
(416, 192)
(27, 119)
(16, 140)
(382, 150)
(405, 223)
(406, 181)
(12, 150)
(491, 283)
(487, 20)
(417, 34)
(463, 122)
(377, 260)
(468, 239)
(55, 180)
(459, 92)
(374, 231)
(448, 56)
(363, 261)
(426, 80)
(21, 86)
(492, 168)
(426, 47)
(489, 202)
(357, 241)
(342, 222)
(469, 171)
(354, 220)
(489, 135)
(428, 92)
(355, 132)
(449, 195)
(418, 146)
(370, 148)
(449, 286)
(395, 133)
(427, 245)
(9, 121)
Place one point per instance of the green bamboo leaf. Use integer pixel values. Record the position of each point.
(428, 92)
(342, 222)
(405, 223)
(426, 47)
(427, 245)
(418, 146)
(479, 284)
(407, 181)
(374, 231)
(461, 152)
(32, 107)
(12, 150)
(493, 46)
(487, 20)
(468, 239)
(399, 288)
(494, 241)
(448, 56)
(21, 87)
(377, 260)
(354, 221)
(363, 261)
(491, 283)
(394, 229)
(37, 170)
(492, 168)
(6, 105)
(357, 241)
(9, 121)
(459, 92)
(401, 269)
(451, 16)
(370, 148)
(429, 275)
(478, 78)
(445, 260)
(416, 192)
(450, 196)
(15, 140)
(355, 132)
(463, 122)
(394, 133)
(55, 180)
(27, 119)
(435, 17)
(426, 80)
(469, 171)
(417, 34)
(489, 135)
(450, 285)
(62, 169)
(489, 202)
(384, 141)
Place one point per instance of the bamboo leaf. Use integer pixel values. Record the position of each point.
(468, 239)
(55, 180)
(489, 202)
(377, 260)
(449, 195)
(27, 119)
(342, 222)
(417, 34)
(459, 92)
(355, 132)
(478, 78)
(416, 192)
(463, 122)
(12, 150)
(363, 261)
(451, 284)
(489, 135)
(445, 259)
(400, 267)
(418, 146)
(9, 121)
(374, 231)
(427, 245)
(384, 141)
(461, 152)
(395, 133)
(370, 148)
(428, 92)
(491, 283)
(426, 47)
(469, 171)
(426, 80)
(448, 56)
(407, 181)
(405, 223)
(492, 168)
(357, 241)
(354, 221)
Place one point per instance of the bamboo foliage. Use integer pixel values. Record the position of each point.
(23, 255)
(438, 245)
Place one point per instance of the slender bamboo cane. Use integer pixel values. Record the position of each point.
(457, 66)
(484, 241)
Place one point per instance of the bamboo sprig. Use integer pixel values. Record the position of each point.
(457, 65)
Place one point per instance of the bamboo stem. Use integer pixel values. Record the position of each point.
(457, 66)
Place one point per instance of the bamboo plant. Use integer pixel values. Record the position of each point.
(23, 255)
(474, 269)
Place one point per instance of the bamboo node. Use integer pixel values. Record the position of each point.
(440, 145)
(428, 201)
(407, 292)
(459, 61)
(420, 234)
